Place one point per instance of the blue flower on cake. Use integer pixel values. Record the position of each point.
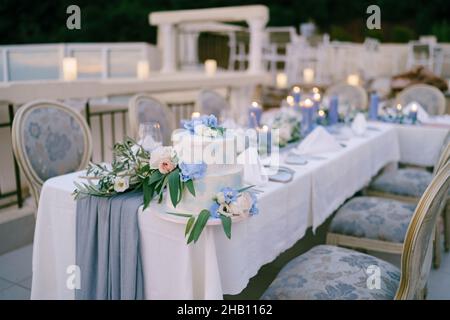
(206, 126)
(192, 171)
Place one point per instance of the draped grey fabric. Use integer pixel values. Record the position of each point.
(107, 248)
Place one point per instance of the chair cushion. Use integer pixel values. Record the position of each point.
(405, 182)
(53, 141)
(333, 273)
(373, 218)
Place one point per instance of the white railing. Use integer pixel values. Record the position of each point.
(95, 60)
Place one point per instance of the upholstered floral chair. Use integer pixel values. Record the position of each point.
(429, 97)
(49, 139)
(210, 102)
(408, 185)
(144, 108)
(354, 97)
(330, 272)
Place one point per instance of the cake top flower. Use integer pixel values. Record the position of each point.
(206, 126)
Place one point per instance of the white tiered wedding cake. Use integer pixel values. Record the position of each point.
(218, 154)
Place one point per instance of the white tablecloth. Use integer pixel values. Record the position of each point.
(215, 265)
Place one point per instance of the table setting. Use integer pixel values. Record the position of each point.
(180, 247)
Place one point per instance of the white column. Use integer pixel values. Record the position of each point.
(192, 48)
(168, 48)
(256, 27)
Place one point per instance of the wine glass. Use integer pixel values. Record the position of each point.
(150, 136)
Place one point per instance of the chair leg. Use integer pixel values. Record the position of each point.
(437, 247)
(447, 226)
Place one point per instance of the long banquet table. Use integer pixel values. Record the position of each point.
(215, 265)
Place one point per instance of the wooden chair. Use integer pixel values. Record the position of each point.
(430, 98)
(408, 185)
(330, 272)
(49, 139)
(144, 108)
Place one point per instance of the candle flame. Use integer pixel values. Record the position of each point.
(290, 100)
(321, 113)
(296, 89)
(308, 103)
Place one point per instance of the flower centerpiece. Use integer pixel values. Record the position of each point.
(206, 126)
(227, 203)
(288, 125)
(134, 168)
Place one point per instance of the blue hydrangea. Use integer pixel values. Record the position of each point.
(254, 209)
(209, 121)
(213, 210)
(192, 171)
(230, 194)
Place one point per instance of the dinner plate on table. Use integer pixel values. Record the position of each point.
(295, 159)
(283, 175)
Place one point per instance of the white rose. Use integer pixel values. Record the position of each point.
(220, 197)
(160, 154)
(199, 129)
(285, 132)
(121, 184)
(210, 132)
(244, 203)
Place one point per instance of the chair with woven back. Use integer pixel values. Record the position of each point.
(429, 97)
(145, 108)
(49, 139)
(354, 97)
(211, 102)
(330, 272)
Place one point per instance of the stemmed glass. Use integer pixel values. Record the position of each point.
(150, 136)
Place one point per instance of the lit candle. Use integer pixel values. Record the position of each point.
(70, 69)
(142, 69)
(333, 115)
(307, 116)
(308, 103)
(399, 108)
(210, 67)
(316, 98)
(315, 90)
(353, 79)
(308, 75)
(296, 94)
(281, 80)
(195, 115)
(290, 100)
(254, 115)
(265, 140)
(373, 108)
(321, 116)
(413, 112)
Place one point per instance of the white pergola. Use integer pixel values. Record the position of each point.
(256, 16)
